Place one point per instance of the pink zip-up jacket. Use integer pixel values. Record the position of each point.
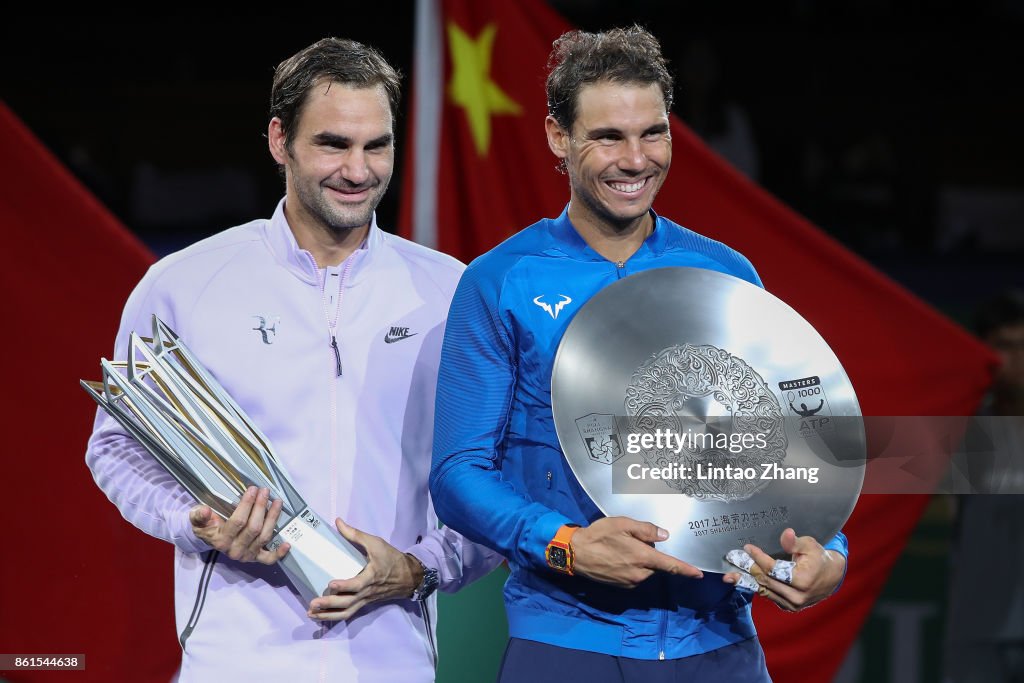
(249, 303)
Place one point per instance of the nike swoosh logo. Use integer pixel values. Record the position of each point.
(388, 339)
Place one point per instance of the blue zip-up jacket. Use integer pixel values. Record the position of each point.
(498, 474)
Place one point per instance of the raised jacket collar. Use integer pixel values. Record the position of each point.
(300, 262)
(572, 243)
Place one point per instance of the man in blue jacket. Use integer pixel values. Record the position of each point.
(499, 476)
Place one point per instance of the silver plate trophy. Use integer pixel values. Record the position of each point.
(176, 409)
(704, 404)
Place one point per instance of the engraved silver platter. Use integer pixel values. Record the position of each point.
(706, 405)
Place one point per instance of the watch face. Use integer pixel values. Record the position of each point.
(557, 558)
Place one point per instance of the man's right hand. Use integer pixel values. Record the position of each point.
(242, 535)
(620, 551)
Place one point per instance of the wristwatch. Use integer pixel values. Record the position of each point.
(559, 553)
(428, 585)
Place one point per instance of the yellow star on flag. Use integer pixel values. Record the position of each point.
(471, 86)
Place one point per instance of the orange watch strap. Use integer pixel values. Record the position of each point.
(564, 534)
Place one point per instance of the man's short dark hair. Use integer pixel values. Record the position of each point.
(336, 60)
(622, 55)
(1003, 310)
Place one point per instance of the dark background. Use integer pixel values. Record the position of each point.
(894, 127)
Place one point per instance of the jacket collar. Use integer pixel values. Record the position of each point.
(570, 242)
(279, 237)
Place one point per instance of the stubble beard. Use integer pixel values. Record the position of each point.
(601, 211)
(330, 218)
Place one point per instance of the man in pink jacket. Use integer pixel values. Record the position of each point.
(326, 331)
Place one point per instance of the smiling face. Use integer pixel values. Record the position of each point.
(340, 159)
(617, 154)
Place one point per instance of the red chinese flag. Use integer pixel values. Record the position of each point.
(479, 169)
(77, 579)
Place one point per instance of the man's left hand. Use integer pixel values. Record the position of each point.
(811, 576)
(389, 574)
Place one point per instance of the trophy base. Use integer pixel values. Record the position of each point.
(318, 555)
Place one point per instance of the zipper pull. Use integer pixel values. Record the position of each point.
(337, 353)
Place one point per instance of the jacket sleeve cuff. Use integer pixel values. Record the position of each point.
(426, 558)
(182, 534)
(840, 545)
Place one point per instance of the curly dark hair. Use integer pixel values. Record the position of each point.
(621, 55)
(337, 60)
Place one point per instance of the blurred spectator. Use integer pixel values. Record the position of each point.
(1001, 324)
(720, 122)
(985, 621)
(985, 219)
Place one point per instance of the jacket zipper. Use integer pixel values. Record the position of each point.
(425, 613)
(209, 561)
(430, 632)
(337, 353)
(332, 331)
(425, 607)
(332, 327)
(662, 629)
(620, 266)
